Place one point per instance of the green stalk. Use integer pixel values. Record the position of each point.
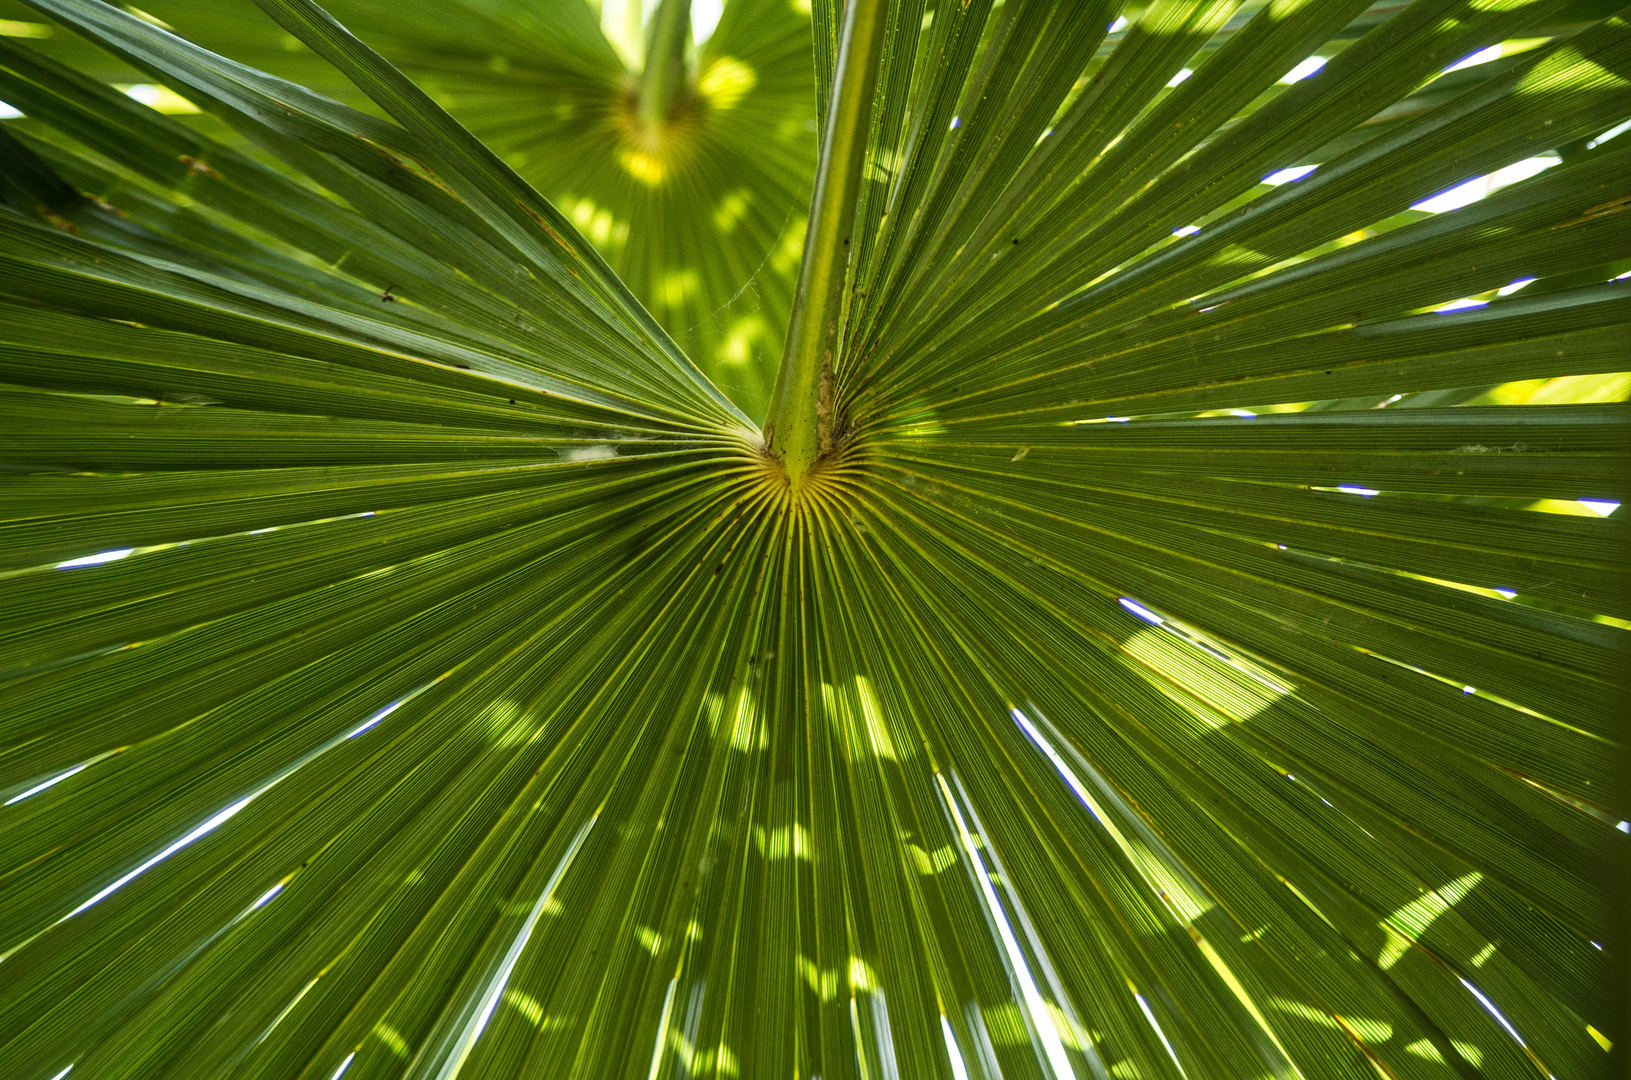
(664, 75)
(798, 429)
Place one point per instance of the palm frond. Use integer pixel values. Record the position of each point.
(1176, 665)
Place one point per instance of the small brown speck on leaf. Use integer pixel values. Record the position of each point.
(199, 168)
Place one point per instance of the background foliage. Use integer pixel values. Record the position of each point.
(702, 219)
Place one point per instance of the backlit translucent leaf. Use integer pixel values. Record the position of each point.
(1198, 656)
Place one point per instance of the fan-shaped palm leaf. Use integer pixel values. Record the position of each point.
(414, 666)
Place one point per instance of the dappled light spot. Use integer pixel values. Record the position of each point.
(823, 984)
(1073, 1035)
(679, 286)
(1563, 390)
(530, 1010)
(596, 223)
(1372, 1031)
(720, 1060)
(507, 724)
(784, 841)
(877, 728)
(644, 166)
(713, 709)
(1407, 925)
(883, 166)
(1182, 75)
(731, 209)
(1215, 682)
(1425, 1050)
(14, 28)
(926, 863)
(393, 1040)
(854, 710)
(682, 1049)
(785, 258)
(743, 724)
(1225, 687)
(649, 939)
(744, 334)
(726, 81)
